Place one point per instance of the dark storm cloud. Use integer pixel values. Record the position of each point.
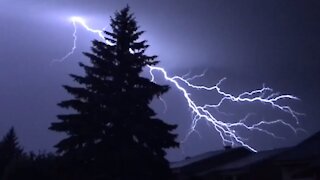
(250, 42)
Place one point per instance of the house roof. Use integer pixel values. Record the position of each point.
(313, 139)
(195, 159)
(238, 159)
(204, 161)
(308, 149)
(250, 160)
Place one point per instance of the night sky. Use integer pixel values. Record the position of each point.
(250, 42)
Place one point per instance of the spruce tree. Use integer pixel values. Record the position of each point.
(9, 150)
(114, 133)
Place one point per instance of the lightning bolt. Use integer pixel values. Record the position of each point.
(226, 130)
(78, 20)
(193, 77)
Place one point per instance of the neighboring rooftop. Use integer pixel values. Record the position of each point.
(308, 149)
(248, 161)
(302, 160)
(194, 159)
(207, 160)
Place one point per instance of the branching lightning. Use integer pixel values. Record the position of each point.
(226, 130)
(78, 20)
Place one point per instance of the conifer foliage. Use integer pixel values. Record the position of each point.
(9, 150)
(113, 133)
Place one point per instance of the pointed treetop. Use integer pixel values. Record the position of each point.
(9, 143)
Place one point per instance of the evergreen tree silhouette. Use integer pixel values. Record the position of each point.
(9, 150)
(114, 134)
(32, 166)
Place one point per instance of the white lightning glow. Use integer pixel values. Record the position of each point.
(79, 20)
(82, 22)
(226, 130)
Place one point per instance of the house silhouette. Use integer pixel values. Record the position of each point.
(300, 162)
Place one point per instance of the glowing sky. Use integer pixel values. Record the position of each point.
(272, 42)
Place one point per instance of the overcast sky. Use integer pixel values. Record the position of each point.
(250, 42)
